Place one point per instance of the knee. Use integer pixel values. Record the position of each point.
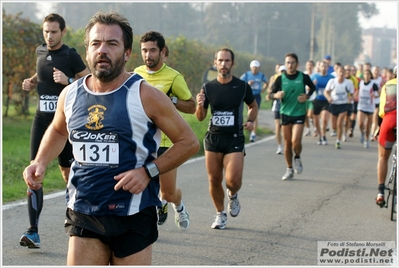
(234, 186)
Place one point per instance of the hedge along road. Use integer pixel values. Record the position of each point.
(280, 222)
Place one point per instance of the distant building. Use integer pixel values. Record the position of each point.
(379, 47)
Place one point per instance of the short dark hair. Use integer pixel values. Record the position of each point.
(293, 55)
(53, 17)
(225, 49)
(111, 18)
(154, 36)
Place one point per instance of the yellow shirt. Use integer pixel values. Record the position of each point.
(170, 82)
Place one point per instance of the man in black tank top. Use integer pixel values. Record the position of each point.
(224, 141)
(57, 65)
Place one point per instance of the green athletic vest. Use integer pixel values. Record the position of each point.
(292, 89)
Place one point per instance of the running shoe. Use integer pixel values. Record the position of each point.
(315, 133)
(324, 142)
(361, 137)
(307, 133)
(337, 145)
(350, 133)
(366, 144)
(289, 174)
(220, 221)
(182, 219)
(162, 214)
(30, 239)
(252, 139)
(298, 165)
(379, 200)
(233, 206)
(279, 150)
(345, 137)
(320, 142)
(333, 133)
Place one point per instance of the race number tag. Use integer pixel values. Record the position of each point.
(48, 103)
(95, 149)
(223, 118)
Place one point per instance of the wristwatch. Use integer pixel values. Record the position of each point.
(152, 170)
(70, 80)
(174, 100)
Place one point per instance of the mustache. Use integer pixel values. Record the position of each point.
(103, 58)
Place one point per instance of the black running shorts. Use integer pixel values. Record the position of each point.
(40, 123)
(125, 235)
(336, 109)
(287, 120)
(224, 144)
(277, 115)
(162, 150)
(320, 105)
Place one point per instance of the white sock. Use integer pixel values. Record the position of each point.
(179, 207)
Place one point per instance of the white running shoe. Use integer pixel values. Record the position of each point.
(220, 221)
(233, 206)
(298, 165)
(279, 150)
(289, 174)
(333, 133)
(182, 219)
(253, 137)
(366, 144)
(324, 142)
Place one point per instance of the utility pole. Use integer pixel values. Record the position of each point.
(256, 41)
(255, 27)
(312, 34)
(268, 38)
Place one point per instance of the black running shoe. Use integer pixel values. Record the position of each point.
(162, 214)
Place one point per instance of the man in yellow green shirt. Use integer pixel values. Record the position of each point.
(172, 83)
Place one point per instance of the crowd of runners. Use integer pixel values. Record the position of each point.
(346, 97)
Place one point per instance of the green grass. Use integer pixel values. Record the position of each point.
(16, 135)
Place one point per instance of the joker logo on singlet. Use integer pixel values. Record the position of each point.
(95, 148)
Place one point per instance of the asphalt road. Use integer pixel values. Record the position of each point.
(280, 221)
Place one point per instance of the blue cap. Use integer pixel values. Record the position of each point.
(327, 57)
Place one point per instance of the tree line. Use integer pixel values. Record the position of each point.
(194, 31)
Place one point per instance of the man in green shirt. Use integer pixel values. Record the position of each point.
(290, 88)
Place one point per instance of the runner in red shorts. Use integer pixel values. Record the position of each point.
(387, 133)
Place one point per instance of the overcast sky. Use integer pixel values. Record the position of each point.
(388, 16)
